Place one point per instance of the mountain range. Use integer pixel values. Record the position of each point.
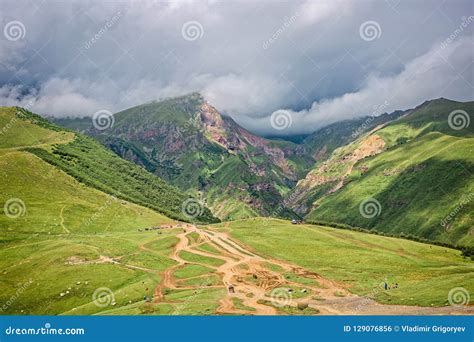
(411, 166)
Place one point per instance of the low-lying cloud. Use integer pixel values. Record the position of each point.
(249, 59)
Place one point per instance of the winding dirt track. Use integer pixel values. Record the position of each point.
(250, 279)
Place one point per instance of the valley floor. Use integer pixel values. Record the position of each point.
(261, 286)
(248, 267)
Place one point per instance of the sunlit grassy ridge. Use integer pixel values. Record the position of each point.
(424, 175)
(58, 204)
(92, 164)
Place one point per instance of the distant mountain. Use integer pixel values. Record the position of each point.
(95, 166)
(416, 173)
(413, 163)
(320, 144)
(188, 143)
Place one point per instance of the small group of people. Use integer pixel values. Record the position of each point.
(388, 287)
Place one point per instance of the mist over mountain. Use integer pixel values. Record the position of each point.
(319, 61)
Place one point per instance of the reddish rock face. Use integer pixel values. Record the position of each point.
(235, 139)
(177, 139)
(210, 116)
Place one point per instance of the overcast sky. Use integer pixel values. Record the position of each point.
(310, 63)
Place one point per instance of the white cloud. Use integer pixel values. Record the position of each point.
(314, 11)
(318, 62)
(429, 76)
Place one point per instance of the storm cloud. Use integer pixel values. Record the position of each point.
(318, 61)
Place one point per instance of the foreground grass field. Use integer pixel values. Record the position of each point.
(59, 273)
(425, 273)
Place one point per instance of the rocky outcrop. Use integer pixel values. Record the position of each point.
(336, 169)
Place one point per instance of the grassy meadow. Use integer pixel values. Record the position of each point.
(425, 273)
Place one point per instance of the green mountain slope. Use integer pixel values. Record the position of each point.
(418, 168)
(93, 165)
(189, 144)
(322, 143)
(62, 240)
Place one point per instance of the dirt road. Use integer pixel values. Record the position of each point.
(261, 286)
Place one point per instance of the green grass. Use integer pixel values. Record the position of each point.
(207, 280)
(423, 176)
(414, 189)
(44, 260)
(190, 270)
(362, 261)
(201, 301)
(193, 237)
(238, 304)
(191, 257)
(208, 248)
(16, 132)
(59, 250)
(164, 245)
(71, 207)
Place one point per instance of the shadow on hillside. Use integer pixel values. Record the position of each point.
(416, 202)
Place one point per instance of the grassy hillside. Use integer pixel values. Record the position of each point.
(62, 239)
(425, 273)
(420, 173)
(322, 143)
(50, 221)
(92, 164)
(55, 203)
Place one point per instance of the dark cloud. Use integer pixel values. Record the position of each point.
(315, 59)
